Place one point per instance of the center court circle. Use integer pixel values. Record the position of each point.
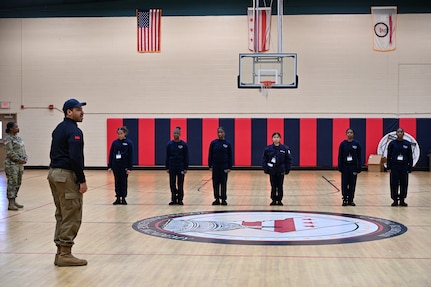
(269, 227)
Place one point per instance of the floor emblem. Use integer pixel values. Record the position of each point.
(269, 227)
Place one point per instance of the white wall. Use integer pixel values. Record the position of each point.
(45, 61)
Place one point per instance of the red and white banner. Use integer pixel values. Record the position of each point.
(148, 30)
(384, 27)
(259, 27)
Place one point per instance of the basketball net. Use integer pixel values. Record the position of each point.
(265, 86)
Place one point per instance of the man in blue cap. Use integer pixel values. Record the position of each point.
(67, 181)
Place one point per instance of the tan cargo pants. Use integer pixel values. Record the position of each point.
(68, 203)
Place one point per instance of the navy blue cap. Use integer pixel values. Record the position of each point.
(72, 103)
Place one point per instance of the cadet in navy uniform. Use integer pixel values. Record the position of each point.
(349, 164)
(220, 162)
(399, 163)
(121, 163)
(67, 181)
(177, 163)
(276, 162)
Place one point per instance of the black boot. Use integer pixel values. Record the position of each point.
(402, 202)
(117, 201)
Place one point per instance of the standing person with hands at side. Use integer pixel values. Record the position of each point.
(67, 181)
(14, 162)
(399, 163)
(177, 163)
(121, 163)
(349, 164)
(276, 161)
(220, 162)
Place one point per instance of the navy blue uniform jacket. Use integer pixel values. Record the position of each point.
(276, 159)
(125, 149)
(177, 155)
(345, 151)
(396, 149)
(67, 148)
(220, 154)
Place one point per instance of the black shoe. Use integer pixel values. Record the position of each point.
(223, 202)
(403, 203)
(351, 203)
(395, 203)
(123, 201)
(172, 203)
(273, 202)
(117, 201)
(344, 203)
(216, 202)
(180, 202)
(280, 203)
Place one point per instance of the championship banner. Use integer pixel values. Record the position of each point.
(259, 27)
(384, 27)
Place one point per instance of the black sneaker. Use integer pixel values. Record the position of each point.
(223, 202)
(280, 203)
(351, 203)
(403, 203)
(344, 203)
(395, 203)
(117, 201)
(123, 201)
(216, 202)
(273, 202)
(172, 203)
(180, 202)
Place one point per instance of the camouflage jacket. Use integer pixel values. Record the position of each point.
(15, 149)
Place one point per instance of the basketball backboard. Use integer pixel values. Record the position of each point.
(258, 68)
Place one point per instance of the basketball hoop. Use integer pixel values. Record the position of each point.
(265, 86)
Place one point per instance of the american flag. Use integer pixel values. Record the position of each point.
(149, 30)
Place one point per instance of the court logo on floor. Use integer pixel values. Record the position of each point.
(269, 227)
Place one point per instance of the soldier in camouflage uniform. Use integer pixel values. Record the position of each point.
(14, 162)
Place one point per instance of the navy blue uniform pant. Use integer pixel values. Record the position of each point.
(120, 177)
(219, 175)
(276, 181)
(348, 182)
(176, 184)
(399, 177)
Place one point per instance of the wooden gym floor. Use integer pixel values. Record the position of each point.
(120, 256)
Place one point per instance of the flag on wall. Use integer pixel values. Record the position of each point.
(148, 30)
(259, 26)
(384, 27)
